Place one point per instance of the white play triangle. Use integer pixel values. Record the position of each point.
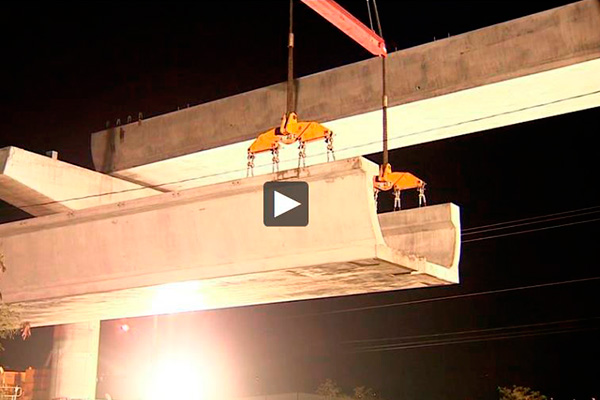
(282, 204)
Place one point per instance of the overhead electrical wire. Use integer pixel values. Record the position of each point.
(476, 232)
(517, 222)
(537, 220)
(160, 186)
(531, 230)
(487, 338)
(423, 340)
(501, 225)
(450, 297)
(537, 325)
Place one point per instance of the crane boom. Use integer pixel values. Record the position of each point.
(347, 23)
(291, 130)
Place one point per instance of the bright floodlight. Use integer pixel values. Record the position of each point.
(177, 297)
(178, 376)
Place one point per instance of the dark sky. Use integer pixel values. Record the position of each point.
(69, 67)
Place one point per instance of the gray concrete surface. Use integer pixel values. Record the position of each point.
(503, 74)
(134, 258)
(294, 284)
(41, 185)
(74, 361)
(429, 232)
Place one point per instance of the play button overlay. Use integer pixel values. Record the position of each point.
(285, 203)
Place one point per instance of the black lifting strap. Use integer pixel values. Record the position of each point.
(290, 76)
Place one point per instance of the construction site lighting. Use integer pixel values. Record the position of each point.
(181, 376)
(177, 297)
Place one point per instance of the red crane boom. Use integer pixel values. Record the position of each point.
(347, 23)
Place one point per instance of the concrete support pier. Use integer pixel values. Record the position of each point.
(75, 361)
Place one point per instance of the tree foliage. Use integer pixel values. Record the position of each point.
(364, 393)
(10, 320)
(331, 390)
(519, 393)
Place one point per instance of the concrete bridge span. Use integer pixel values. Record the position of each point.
(207, 248)
(121, 249)
(533, 67)
(118, 260)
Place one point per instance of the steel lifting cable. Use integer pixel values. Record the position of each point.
(290, 104)
(384, 98)
(369, 11)
(290, 76)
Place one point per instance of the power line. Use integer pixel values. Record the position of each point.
(468, 230)
(531, 230)
(541, 221)
(530, 221)
(471, 331)
(482, 339)
(242, 170)
(422, 343)
(535, 325)
(479, 119)
(452, 297)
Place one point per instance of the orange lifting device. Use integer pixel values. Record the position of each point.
(291, 130)
(398, 181)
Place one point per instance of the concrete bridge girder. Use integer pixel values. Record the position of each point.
(533, 67)
(62, 268)
(41, 185)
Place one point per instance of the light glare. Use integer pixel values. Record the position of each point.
(177, 297)
(179, 376)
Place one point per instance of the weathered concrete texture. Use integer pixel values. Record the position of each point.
(536, 96)
(41, 185)
(551, 40)
(288, 284)
(215, 236)
(74, 362)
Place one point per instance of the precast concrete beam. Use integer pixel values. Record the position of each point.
(534, 67)
(208, 248)
(42, 185)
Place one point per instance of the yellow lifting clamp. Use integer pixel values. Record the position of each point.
(290, 131)
(398, 181)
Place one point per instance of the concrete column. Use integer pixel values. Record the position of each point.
(75, 361)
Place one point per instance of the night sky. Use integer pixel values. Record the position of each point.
(67, 68)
